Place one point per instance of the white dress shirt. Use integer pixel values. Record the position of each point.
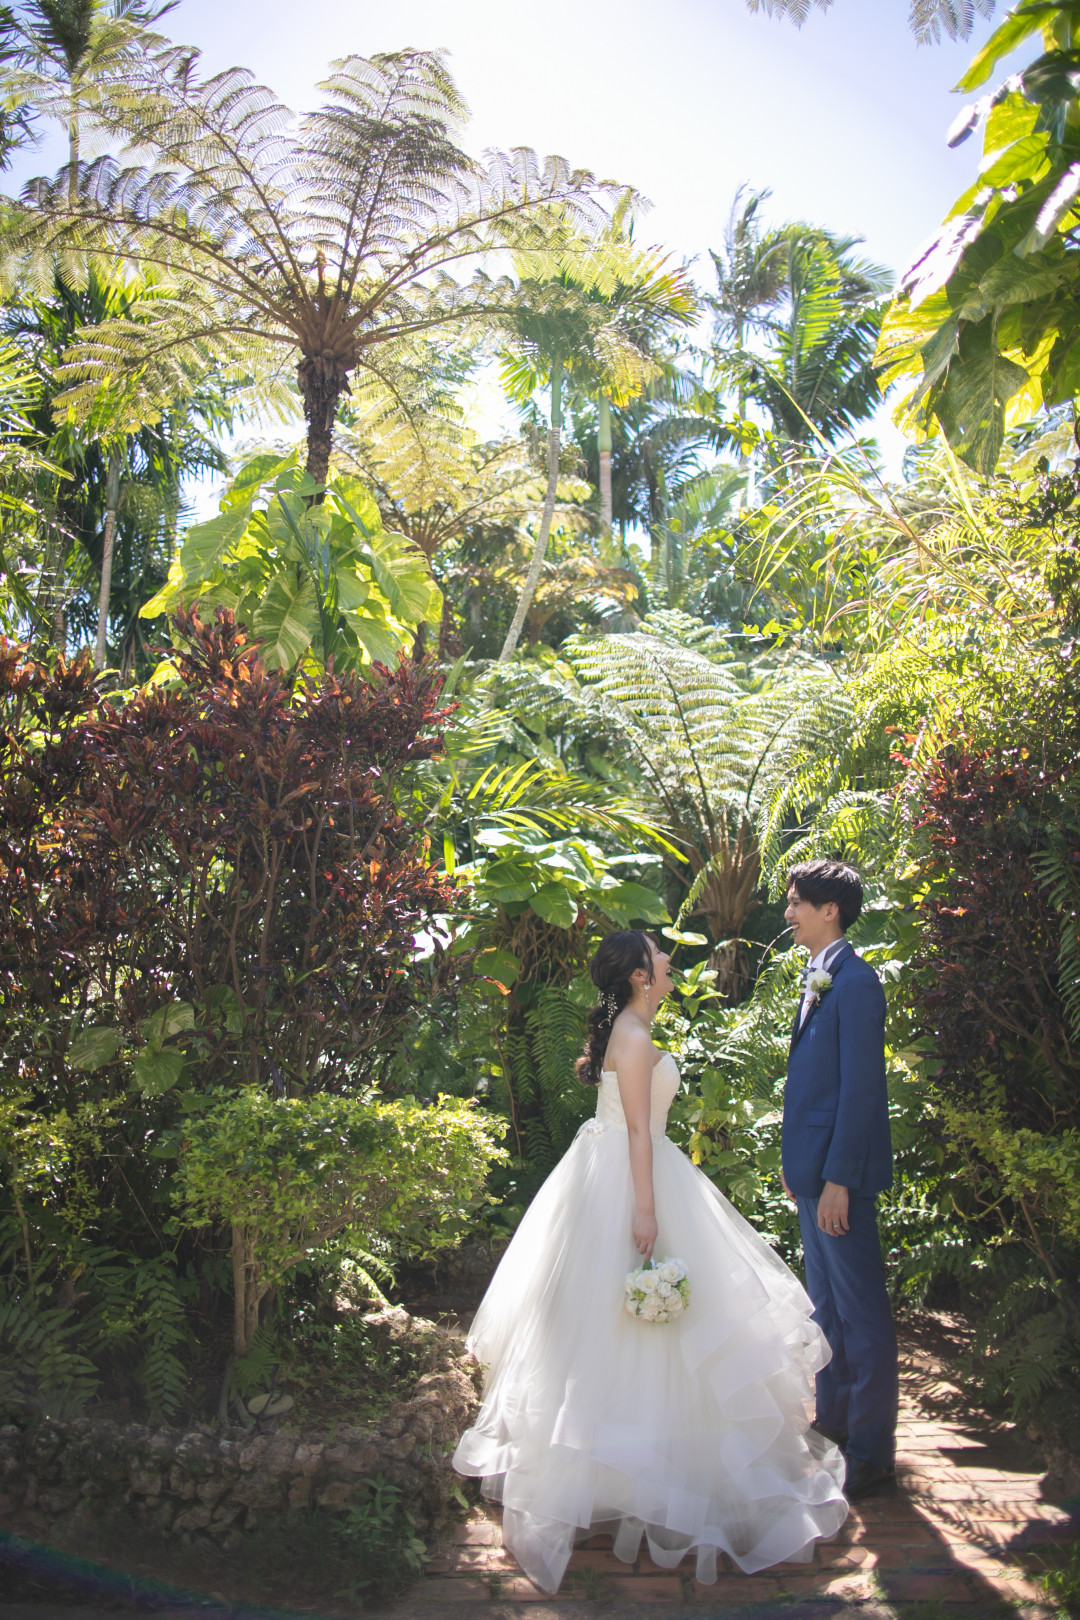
(822, 959)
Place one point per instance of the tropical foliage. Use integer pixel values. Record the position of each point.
(297, 895)
(985, 324)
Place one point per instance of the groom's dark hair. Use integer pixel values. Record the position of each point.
(818, 882)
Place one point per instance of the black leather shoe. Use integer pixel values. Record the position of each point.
(862, 1479)
(836, 1437)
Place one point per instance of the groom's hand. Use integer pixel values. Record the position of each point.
(832, 1210)
(787, 1190)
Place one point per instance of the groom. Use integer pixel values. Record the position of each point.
(836, 1156)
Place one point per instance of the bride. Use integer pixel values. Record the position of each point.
(694, 1432)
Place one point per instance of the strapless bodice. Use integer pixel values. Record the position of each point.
(665, 1083)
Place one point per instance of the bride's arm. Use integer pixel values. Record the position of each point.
(635, 1068)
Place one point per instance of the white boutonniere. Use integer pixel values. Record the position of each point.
(818, 983)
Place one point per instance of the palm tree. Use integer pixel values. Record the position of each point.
(929, 19)
(588, 320)
(60, 59)
(333, 242)
(649, 300)
(118, 496)
(66, 54)
(750, 272)
(813, 373)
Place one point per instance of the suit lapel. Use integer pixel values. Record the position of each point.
(833, 964)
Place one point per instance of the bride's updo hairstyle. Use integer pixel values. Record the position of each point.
(617, 956)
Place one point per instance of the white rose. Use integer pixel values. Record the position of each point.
(651, 1308)
(668, 1271)
(648, 1281)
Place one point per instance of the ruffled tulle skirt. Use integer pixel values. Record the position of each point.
(694, 1433)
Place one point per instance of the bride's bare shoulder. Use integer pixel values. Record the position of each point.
(630, 1048)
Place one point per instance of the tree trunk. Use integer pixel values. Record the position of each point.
(73, 162)
(246, 1294)
(112, 499)
(323, 379)
(603, 440)
(51, 593)
(528, 590)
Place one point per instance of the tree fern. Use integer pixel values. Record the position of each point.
(711, 738)
(42, 1368)
(331, 241)
(556, 1038)
(1058, 873)
(928, 19)
(162, 1330)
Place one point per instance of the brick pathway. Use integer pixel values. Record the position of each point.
(972, 1513)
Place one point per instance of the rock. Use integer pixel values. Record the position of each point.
(197, 1453)
(192, 1518)
(423, 1425)
(308, 1458)
(350, 1459)
(210, 1491)
(259, 1490)
(181, 1483)
(279, 1454)
(300, 1491)
(59, 1500)
(145, 1481)
(161, 1514)
(400, 1447)
(391, 1324)
(252, 1454)
(335, 1496)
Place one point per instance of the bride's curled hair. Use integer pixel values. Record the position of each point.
(617, 956)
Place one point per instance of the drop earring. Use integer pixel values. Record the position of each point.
(648, 1003)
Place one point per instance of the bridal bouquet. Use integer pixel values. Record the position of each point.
(658, 1291)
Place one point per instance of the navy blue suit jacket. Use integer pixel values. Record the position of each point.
(836, 1111)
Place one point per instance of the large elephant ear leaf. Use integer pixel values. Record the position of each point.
(206, 543)
(355, 501)
(157, 1071)
(971, 404)
(93, 1048)
(633, 902)
(555, 904)
(398, 566)
(402, 574)
(260, 470)
(286, 622)
(377, 638)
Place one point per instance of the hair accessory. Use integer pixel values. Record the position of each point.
(609, 1005)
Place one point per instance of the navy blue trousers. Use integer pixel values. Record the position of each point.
(845, 1278)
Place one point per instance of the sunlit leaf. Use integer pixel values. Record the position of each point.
(93, 1048)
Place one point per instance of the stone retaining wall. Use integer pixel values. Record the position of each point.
(204, 1488)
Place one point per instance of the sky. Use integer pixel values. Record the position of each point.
(844, 119)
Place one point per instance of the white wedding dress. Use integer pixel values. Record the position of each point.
(694, 1432)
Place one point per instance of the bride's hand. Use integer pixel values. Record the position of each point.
(645, 1230)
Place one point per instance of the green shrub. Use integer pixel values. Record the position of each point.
(287, 1175)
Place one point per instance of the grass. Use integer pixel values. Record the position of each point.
(1060, 1580)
